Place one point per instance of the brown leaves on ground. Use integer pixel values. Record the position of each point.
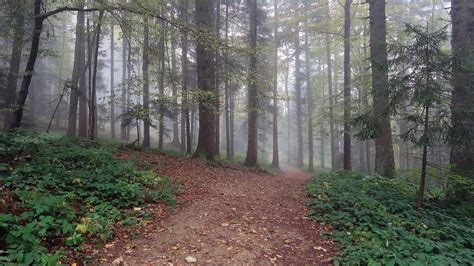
(225, 215)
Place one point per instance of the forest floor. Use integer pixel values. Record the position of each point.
(224, 215)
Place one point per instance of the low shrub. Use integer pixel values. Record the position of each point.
(376, 222)
(61, 192)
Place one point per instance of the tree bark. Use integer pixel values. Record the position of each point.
(217, 103)
(15, 61)
(332, 130)
(347, 86)
(384, 159)
(276, 158)
(125, 44)
(174, 91)
(83, 86)
(76, 75)
(226, 91)
(146, 83)
(205, 11)
(421, 189)
(112, 82)
(30, 66)
(93, 90)
(299, 111)
(462, 146)
(252, 148)
(161, 85)
(309, 93)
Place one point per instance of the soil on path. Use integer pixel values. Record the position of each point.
(227, 215)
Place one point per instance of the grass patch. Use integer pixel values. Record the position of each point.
(59, 194)
(376, 222)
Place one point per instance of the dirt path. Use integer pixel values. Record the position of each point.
(229, 216)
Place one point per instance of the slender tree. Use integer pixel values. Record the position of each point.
(146, 82)
(347, 86)
(112, 81)
(309, 91)
(299, 111)
(275, 159)
(332, 129)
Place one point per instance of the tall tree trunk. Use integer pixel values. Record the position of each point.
(161, 126)
(123, 126)
(361, 143)
(384, 159)
(205, 11)
(174, 91)
(309, 91)
(287, 95)
(226, 90)
(322, 148)
(15, 61)
(276, 158)
(232, 120)
(93, 90)
(462, 148)
(186, 140)
(217, 103)
(76, 75)
(146, 83)
(252, 146)
(83, 85)
(347, 86)
(332, 130)
(112, 82)
(30, 66)
(299, 111)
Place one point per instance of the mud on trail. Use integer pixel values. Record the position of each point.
(226, 215)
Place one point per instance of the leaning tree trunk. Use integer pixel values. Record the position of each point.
(30, 66)
(462, 147)
(347, 86)
(146, 84)
(15, 61)
(205, 11)
(251, 159)
(384, 159)
(275, 159)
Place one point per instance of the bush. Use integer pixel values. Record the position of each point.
(376, 222)
(60, 192)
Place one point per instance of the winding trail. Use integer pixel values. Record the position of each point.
(228, 216)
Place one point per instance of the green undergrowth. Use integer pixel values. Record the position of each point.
(376, 223)
(62, 195)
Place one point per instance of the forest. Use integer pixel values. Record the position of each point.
(237, 132)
